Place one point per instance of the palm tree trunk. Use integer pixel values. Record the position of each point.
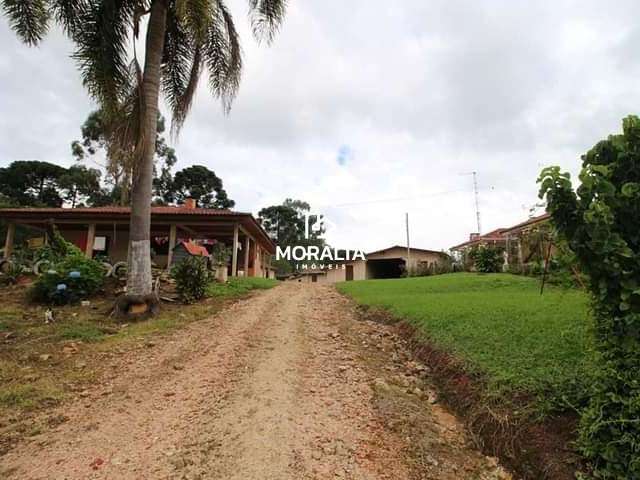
(125, 185)
(139, 280)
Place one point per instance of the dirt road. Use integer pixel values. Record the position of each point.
(287, 384)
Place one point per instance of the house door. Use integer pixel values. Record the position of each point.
(349, 273)
(314, 278)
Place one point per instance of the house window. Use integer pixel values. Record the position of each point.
(100, 244)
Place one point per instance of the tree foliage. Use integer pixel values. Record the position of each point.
(42, 184)
(199, 183)
(31, 182)
(80, 185)
(101, 137)
(285, 224)
(599, 220)
(486, 259)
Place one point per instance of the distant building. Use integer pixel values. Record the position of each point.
(390, 262)
(521, 243)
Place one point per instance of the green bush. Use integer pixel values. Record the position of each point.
(487, 259)
(600, 223)
(191, 276)
(69, 281)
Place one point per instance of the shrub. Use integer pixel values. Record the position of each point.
(600, 223)
(487, 259)
(191, 276)
(69, 281)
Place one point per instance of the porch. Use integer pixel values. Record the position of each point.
(104, 231)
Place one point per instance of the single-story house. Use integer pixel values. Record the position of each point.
(495, 238)
(389, 262)
(522, 242)
(104, 231)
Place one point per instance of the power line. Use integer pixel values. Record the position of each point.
(395, 199)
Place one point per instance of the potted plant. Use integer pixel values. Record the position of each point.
(220, 257)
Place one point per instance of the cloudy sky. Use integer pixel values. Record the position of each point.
(370, 109)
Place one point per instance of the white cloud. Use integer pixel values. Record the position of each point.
(420, 92)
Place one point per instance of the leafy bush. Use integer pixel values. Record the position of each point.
(71, 280)
(191, 276)
(600, 223)
(487, 259)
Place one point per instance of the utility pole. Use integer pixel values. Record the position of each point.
(475, 192)
(406, 221)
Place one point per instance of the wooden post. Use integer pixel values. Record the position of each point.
(520, 256)
(508, 250)
(246, 256)
(8, 242)
(257, 265)
(234, 256)
(172, 244)
(91, 236)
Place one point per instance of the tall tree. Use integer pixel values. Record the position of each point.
(31, 182)
(100, 136)
(183, 38)
(201, 184)
(285, 224)
(79, 184)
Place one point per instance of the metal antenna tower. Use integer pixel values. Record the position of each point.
(475, 192)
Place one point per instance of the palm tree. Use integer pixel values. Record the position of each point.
(183, 38)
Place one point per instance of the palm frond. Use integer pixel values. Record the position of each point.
(181, 66)
(68, 13)
(122, 125)
(28, 18)
(222, 55)
(101, 49)
(183, 105)
(195, 16)
(266, 18)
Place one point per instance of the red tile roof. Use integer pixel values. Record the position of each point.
(181, 210)
(158, 214)
(405, 248)
(196, 250)
(501, 233)
(532, 221)
(496, 235)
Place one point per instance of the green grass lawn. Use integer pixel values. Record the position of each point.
(239, 286)
(499, 326)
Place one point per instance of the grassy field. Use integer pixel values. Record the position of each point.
(499, 326)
